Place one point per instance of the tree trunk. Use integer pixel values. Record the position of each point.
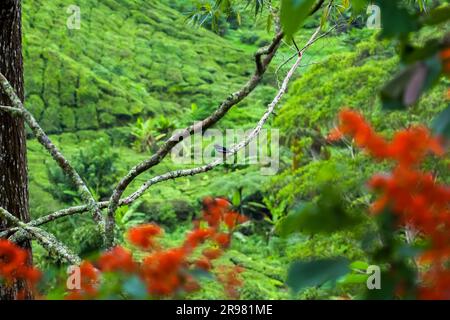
(13, 161)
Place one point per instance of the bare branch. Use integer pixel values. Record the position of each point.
(12, 110)
(307, 45)
(48, 241)
(224, 107)
(54, 152)
(178, 173)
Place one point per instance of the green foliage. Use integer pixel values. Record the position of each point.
(95, 164)
(143, 134)
(166, 213)
(441, 123)
(293, 13)
(115, 68)
(308, 116)
(326, 216)
(304, 274)
(135, 71)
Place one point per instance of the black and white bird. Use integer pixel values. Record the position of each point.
(221, 149)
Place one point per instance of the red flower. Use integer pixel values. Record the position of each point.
(143, 236)
(413, 196)
(410, 146)
(231, 219)
(89, 283)
(12, 259)
(222, 203)
(212, 254)
(229, 277)
(190, 284)
(223, 239)
(214, 209)
(30, 274)
(196, 237)
(445, 57)
(353, 123)
(117, 259)
(203, 263)
(213, 216)
(162, 271)
(335, 135)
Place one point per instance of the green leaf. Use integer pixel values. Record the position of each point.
(354, 279)
(236, 200)
(437, 16)
(359, 6)
(269, 22)
(326, 216)
(359, 265)
(396, 21)
(409, 84)
(441, 124)
(421, 5)
(293, 14)
(303, 274)
(238, 235)
(135, 288)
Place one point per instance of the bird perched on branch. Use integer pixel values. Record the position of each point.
(221, 149)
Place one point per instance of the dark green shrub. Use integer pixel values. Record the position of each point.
(95, 164)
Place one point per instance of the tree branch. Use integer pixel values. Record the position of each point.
(224, 107)
(48, 241)
(12, 110)
(177, 173)
(54, 152)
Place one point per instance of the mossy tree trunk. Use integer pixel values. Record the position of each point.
(13, 161)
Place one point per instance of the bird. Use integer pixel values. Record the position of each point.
(221, 149)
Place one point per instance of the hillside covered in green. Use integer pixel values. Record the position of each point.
(128, 59)
(139, 59)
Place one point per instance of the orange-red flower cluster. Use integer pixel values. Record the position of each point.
(229, 278)
(144, 236)
(14, 265)
(168, 271)
(412, 195)
(117, 260)
(445, 57)
(407, 148)
(89, 283)
(217, 210)
(165, 272)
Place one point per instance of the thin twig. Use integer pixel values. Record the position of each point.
(302, 50)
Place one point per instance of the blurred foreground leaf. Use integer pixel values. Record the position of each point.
(303, 274)
(326, 216)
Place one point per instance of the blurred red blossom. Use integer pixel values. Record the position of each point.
(164, 271)
(14, 266)
(90, 281)
(117, 259)
(143, 236)
(414, 196)
(445, 57)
